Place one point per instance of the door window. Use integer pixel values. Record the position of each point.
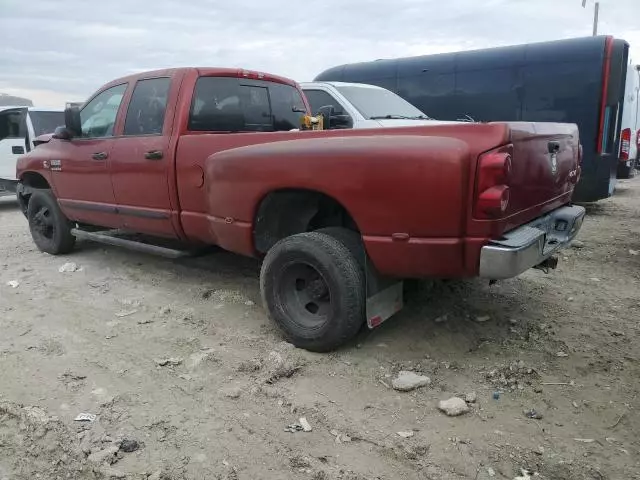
(98, 117)
(146, 112)
(320, 98)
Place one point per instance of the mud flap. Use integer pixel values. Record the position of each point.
(384, 304)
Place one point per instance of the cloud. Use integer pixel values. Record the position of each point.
(71, 50)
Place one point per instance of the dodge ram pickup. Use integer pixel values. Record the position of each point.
(209, 156)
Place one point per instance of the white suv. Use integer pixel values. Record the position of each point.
(357, 105)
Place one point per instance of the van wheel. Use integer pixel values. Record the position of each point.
(50, 229)
(313, 288)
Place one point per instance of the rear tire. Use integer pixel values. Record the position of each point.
(50, 229)
(313, 288)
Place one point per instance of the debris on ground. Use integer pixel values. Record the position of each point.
(85, 417)
(577, 244)
(126, 313)
(106, 455)
(249, 366)
(471, 397)
(483, 318)
(129, 445)
(305, 424)
(516, 375)
(198, 358)
(407, 434)
(280, 365)
(406, 381)
(169, 362)
(453, 407)
(13, 284)
(585, 440)
(525, 475)
(562, 354)
(340, 437)
(69, 267)
(233, 392)
(634, 253)
(533, 413)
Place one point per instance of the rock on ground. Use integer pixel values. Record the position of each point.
(453, 407)
(407, 381)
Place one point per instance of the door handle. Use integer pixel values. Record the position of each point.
(100, 156)
(153, 155)
(553, 147)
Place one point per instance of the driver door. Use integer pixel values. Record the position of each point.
(81, 175)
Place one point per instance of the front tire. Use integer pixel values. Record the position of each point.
(50, 229)
(313, 288)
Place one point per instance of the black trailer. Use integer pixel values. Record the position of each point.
(578, 81)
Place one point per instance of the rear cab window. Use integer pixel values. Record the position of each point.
(230, 104)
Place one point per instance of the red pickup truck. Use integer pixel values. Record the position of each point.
(217, 157)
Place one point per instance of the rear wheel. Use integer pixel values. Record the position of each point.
(313, 288)
(50, 229)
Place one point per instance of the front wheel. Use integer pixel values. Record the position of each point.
(50, 229)
(313, 288)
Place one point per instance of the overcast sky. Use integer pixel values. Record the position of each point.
(56, 51)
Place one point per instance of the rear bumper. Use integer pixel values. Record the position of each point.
(531, 244)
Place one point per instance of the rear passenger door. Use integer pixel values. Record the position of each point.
(142, 158)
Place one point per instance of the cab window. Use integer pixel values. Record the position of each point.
(230, 104)
(146, 111)
(98, 117)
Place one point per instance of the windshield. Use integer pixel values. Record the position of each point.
(46, 122)
(376, 103)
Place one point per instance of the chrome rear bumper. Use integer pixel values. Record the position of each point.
(531, 244)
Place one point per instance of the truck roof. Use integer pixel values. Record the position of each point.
(30, 109)
(340, 84)
(206, 71)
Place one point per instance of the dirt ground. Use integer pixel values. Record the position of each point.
(188, 379)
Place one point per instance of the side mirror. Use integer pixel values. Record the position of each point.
(333, 118)
(62, 133)
(72, 121)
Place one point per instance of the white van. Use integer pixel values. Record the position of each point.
(630, 128)
(357, 105)
(19, 127)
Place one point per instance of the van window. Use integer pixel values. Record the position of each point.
(145, 114)
(12, 124)
(46, 122)
(230, 104)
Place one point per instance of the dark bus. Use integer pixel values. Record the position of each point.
(578, 81)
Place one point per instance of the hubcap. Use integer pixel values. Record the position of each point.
(305, 295)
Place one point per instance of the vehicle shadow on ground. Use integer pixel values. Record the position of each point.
(445, 317)
(450, 318)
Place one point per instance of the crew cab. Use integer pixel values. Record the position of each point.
(19, 128)
(211, 156)
(357, 105)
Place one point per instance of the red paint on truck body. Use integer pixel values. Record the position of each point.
(411, 191)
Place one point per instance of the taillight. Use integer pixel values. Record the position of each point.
(494, 171)
(625, 144)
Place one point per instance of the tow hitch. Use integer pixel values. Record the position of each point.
(550, 263)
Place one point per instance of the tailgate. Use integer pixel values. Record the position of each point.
(544, 167)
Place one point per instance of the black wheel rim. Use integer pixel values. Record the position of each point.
(304, 294)
(43, 223)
